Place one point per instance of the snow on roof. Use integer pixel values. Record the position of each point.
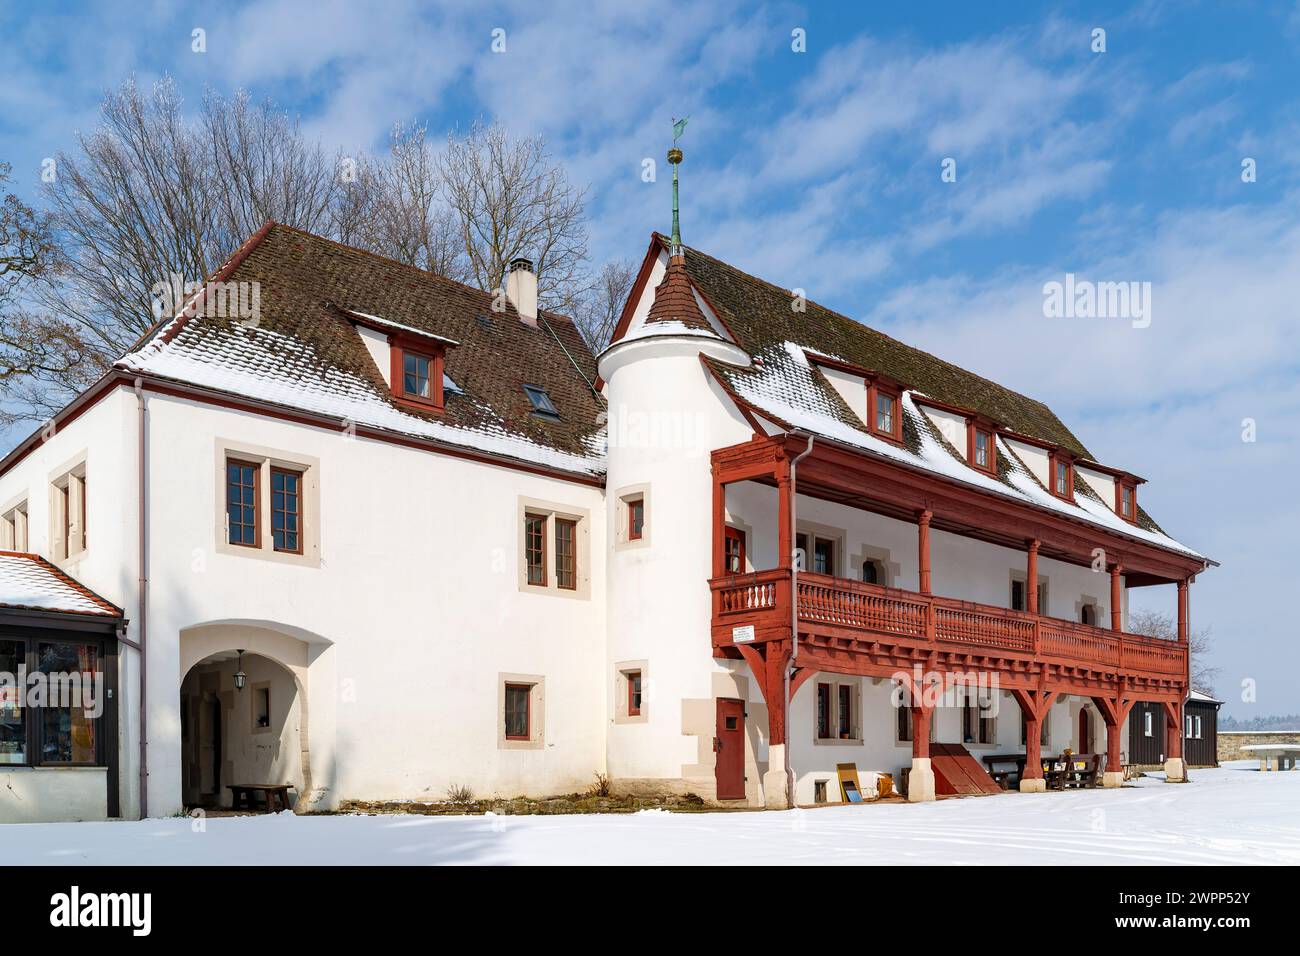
(30, 583)
(786, 385)
(264, 365)
(366, 317)
(1197, 695)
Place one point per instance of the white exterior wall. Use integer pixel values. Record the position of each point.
(104, 438)
(666, 415)
(408, 625)
(950, 425)
(399, 639)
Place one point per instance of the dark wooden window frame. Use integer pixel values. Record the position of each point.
(257, 501)
(635, 518)
(894, 391)
(823, 716)
(1131, 487)
(734, 547)
(33, 725)
(528, 711)
(1055, 462)
(566, 564)
(401, 346)
(633, 693)
(532, 518)
(298, 497)
(974, 429)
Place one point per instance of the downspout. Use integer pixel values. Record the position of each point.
(142, 600)
(794, 614)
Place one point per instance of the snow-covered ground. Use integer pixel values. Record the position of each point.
(1231, 815)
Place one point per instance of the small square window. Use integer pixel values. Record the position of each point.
(416, 382)
(541, 401)
(819, 791)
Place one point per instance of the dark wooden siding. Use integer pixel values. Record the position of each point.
(1203, 751)
(1146, 751)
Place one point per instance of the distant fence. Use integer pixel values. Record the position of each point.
(1231, 741)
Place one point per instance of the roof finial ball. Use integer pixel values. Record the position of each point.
(675, 160)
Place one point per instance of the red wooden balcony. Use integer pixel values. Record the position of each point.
(851, 611)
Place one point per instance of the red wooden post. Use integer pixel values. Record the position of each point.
(1029, 706)
(923, 549)
(1174, 730)
(719, 524)
(921, 716)
(784, 533)
(1113, 741)
(1116, 598)
(1182, 611)
(1031, 578)
(778, 657)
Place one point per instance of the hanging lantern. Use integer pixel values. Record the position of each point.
(240, 677)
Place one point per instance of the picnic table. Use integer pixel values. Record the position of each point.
(1276, 756)
(1078, 770)
(242, 796)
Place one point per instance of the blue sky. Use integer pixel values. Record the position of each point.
(821, 170)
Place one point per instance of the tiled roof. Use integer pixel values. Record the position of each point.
(784, 384)
(305, 354)
(674, 300)
(759, 315)
(30, 583)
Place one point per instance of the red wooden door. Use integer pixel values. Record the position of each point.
(1085, 732)
(729, 750)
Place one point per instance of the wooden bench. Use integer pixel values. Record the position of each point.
(1008, 776)
(242, 796)
(1081, 770)
(1055, 770)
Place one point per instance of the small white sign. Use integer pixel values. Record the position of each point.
(742, 635)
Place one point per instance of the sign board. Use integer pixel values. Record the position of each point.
(742, 635)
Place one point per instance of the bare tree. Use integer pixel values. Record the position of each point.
(151, 195)
(31, 351)
(1199, 643)
(599, 310)
(511, 200)
(402, 211)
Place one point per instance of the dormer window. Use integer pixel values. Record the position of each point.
(1126, 500)
(410, 360)
(884, 410)
(885, 414)
(541, 402)
(981, 448)
(417, 374)
(1062, 477)
(416, 383)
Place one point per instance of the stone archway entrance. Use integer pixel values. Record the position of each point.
(256, 735)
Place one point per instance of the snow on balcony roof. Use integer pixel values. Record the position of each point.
(786, 386)
(30, 583)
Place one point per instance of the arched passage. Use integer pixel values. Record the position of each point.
(257, 735)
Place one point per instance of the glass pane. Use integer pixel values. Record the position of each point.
(13, 716)
(67, 721)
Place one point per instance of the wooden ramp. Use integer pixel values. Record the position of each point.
(957, 772)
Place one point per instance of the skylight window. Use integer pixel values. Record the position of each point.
(542, 404)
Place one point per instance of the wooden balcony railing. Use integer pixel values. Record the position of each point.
(762, 600)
